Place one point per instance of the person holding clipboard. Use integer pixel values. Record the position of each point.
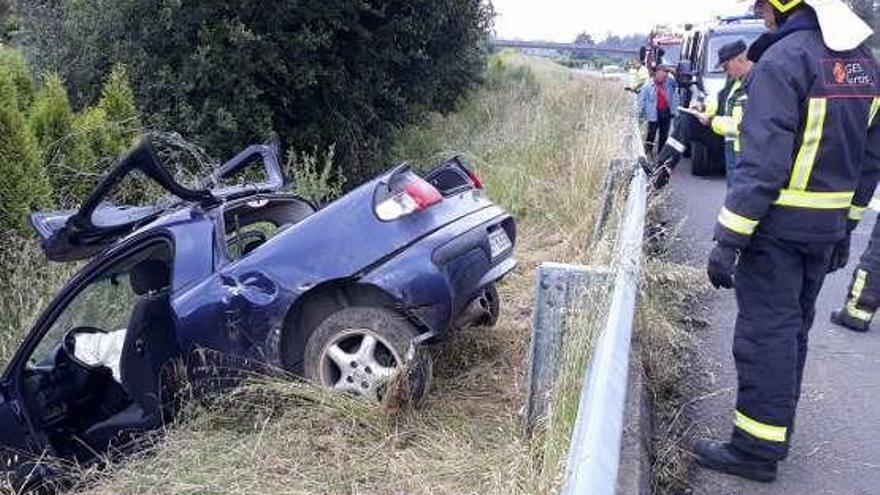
(722, 113)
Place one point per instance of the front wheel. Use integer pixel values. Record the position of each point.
(366, 352)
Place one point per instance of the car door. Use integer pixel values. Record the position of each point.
(99, 221)
(40, 395)
(15, 442)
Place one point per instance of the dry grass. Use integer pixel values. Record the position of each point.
(29, 283)
(667, 318)
(542, 139)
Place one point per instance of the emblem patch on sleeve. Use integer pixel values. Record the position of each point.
(849, 72)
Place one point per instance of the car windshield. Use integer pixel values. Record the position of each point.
(719, 40)
(671, 53)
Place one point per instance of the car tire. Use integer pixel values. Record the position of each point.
(367, 352)
(700, 163)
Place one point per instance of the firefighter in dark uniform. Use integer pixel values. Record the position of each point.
(810, 157)
(863, 296)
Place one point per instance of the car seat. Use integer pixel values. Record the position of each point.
(149, 345)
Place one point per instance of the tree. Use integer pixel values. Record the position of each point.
(74, 147)
(13, 63)
(584, 39)
(120, 113)
(51, 121)
(316, 72)
(7, 21)
(23, 182)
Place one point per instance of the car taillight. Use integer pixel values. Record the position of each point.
(475, 178)
(417, 195)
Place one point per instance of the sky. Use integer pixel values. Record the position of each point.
(563, 20)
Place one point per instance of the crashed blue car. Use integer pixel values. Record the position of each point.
(221, 277)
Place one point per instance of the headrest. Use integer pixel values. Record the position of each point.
(149, 276)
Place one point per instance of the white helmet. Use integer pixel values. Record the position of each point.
(841, 28)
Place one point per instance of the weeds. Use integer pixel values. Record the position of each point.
(313, 176)
(666, 321)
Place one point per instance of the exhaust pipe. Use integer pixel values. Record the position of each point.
(478, 312)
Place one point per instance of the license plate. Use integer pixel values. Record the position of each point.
(499, 243)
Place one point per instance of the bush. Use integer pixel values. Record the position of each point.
(314, 177)
(117, 103)
(13, 63)
(227, 74)
(75, 148)
(51, 120)
(23, 181)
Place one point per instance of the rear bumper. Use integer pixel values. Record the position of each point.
(437, 277)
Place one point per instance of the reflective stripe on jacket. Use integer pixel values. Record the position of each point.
(728, 121)
(811, 141)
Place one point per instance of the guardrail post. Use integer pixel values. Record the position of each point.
(557, 289)
(606, 200)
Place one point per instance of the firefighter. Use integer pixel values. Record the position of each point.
(722, 115)
(810, 158)
(864, 291)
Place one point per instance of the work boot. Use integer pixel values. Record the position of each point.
(842, 318)
(724, 457)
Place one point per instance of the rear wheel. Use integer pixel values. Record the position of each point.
(366, 352)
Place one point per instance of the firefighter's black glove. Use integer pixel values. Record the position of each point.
(840, 255)
(851, 225)
(722, 263)
(658, 174)
(660, 177)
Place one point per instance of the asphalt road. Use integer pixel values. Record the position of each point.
(836, 448)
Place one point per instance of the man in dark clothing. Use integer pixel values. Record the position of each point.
(864, 291)
(810, 157)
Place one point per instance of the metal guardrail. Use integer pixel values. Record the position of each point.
(594, 454)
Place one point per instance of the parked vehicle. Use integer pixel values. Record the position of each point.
(699, 76)
(214, 279)
(663, 46)
(613, 72)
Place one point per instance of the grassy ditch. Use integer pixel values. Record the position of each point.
(668, 316)
(541, 137)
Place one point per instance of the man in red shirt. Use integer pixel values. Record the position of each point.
(658, 104)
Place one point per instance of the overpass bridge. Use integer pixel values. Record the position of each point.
(571, 47)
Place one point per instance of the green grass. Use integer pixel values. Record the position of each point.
(542, 138)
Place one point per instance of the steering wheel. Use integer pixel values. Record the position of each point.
(68, 345)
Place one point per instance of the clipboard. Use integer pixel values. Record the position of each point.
(695, 113)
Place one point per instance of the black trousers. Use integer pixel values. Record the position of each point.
(658, 132)
(863, 297)
(777, 283)
(688, 129)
